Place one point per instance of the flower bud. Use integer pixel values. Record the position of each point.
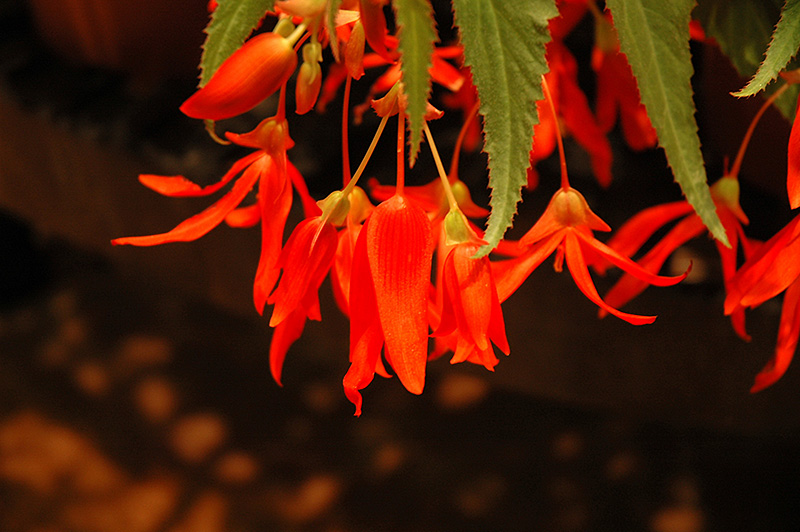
(247, 77)
(309, 79)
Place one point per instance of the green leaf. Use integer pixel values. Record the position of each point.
(232, 22)
(504, 44)
(417, 35)
(654, 34)
(783, 46)
(742, 28)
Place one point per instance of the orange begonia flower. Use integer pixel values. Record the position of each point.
(276, 177)
(566, 228)
(245, 79)
(773, 268)
(634, 233)
(471, 307)
(389, 297)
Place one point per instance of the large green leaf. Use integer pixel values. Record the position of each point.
(783, 46)
(232, 22)
(417, 35)
(504, 44)
(654, 34)
(742, 28)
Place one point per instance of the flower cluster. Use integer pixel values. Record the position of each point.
(411, 267)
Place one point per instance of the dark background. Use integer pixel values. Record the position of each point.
(134, 387)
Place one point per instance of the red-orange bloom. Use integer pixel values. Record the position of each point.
(276, 177)
(566, 228)
(617, 91)
(247, 77)
(389, 297)
(773, 268)
(793, 177)
(634, 233)
(471, 307)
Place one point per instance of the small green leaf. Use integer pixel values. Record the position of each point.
(417, 35)
(654, 34)
(504, 44)
(742, 28)
(783, 46)
(232, 22)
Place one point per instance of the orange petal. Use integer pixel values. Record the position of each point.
(247, 77)
(629, 286)
(375, 26)
(638, 230)
(399, 248)
(179, 186)
(627, 264)
(793, 176)
(305, 260)
(764, 275)
(283, 336)
(244, 217)
(788, 333)
(200, 224)
(580, 273)
(274, 203)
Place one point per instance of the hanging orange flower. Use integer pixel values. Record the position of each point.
(245, 79)
(773, 268)
(389, 297)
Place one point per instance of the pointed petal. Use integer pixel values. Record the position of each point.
(399, 247)
(747, 283)
(788, 332)
(445, 74)
(179, 186)
(627, 264)
(200, 224)
(305, 260)
(793, 175)
(283, 336)
(343, 265)
(274, 203)
(244, 217)
(629, 286)
(374, 22)
(580, 273)
(364, 359)
(633, 234)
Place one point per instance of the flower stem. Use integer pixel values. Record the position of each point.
(345, 133)
(737, 163)
(461, 134)
(549, 97)
(360, 170)
(297, 33)
(401, 147)
(451, 199)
